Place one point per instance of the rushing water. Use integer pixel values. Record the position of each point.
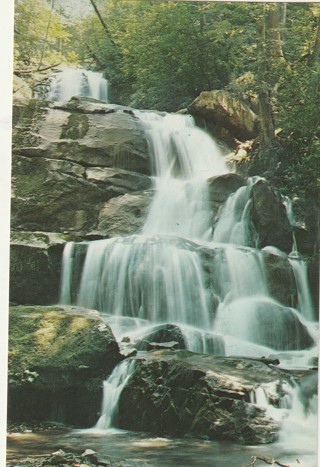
(71, 82)
(160, 276)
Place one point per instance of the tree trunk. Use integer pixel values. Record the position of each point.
(267, 132)
(274, 31)
(266, 119)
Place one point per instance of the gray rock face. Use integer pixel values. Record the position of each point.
(225, 117)
(68, 161)
(58, 359)
(125, 214)
(83, 131)
(181, 394)
(270, 218)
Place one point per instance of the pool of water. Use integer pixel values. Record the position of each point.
(154, 451)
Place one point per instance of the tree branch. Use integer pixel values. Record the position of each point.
(267, 460)
(105, 27)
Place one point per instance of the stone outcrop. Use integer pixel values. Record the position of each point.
(69, 160)
(184, 394)
(35, 266)
(225, 117)
(58, 358)
(270, 218)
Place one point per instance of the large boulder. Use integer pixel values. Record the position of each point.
(185, 394)
(35, 266)
(58, 359)
(226, 117)
(270, 218)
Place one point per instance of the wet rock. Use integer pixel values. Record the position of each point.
(270, 218)
(160, 334)
(35, 265)
(58, 359)
(221, 187)
(226, 117)
(181, 394)
(279, 272)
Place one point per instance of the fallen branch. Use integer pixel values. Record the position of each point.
(25, 72)
(267, 460)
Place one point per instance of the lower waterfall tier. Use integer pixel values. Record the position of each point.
(224, 299)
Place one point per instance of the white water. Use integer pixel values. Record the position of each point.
(112, 389)
(183, 157)
(71, 82)
(305, 305)
(234, 224)
(159, 276)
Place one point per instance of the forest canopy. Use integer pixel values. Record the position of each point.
(162, 54)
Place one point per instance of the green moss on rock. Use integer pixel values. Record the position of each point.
(58, 359)
(76, 127)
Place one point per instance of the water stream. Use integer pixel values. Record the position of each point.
(159, 276)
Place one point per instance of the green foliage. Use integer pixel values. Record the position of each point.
(40, 35)
(165, 54)
(162, 54)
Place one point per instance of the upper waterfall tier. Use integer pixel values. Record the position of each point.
(183, 157)
(78, 82)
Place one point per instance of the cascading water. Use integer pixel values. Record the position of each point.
(71, 82)
(218, 299)
(112, 389)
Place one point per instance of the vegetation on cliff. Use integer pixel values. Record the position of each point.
(161, 55)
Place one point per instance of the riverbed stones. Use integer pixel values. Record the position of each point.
(58, 359)
(185, 394)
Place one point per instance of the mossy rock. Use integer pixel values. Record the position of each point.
(58, 359)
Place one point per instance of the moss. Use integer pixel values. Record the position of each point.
(76, 127)
(48, 337)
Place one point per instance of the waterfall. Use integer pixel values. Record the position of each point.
(305, 305)
(208, 283)
(112, 389)
(159, 276)
(71, 82)
(233, 225)
(299, 428)
(183, 157)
